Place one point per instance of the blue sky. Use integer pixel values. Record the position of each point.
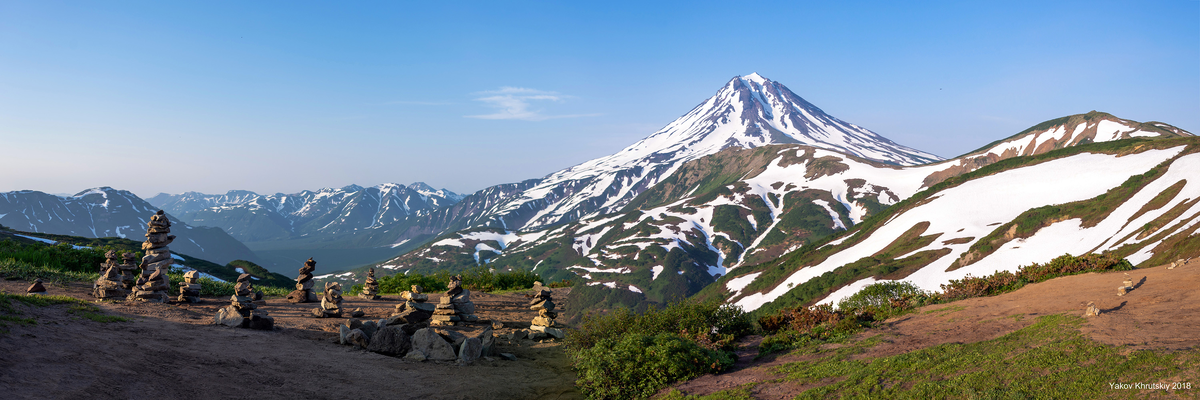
(280, 97)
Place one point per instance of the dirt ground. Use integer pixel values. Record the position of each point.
(1162, 312)
(172, 351)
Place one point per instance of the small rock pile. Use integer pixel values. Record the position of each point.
(1091, 310)
(189, 291)
(414, 309)
(1126, 285)
(110, 285)
(128, 267)
(543, 324)
(153, 288)
(370, 287)
(36, 287)
(331, 302)
(304, 284)
(1178, 263)
(241, 312)
(418, 341)
(455, 305)
(153, 285)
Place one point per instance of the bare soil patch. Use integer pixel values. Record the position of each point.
(172, 351)
(1162, 312)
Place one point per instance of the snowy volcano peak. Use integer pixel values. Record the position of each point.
(747, 112)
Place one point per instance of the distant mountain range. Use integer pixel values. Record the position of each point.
(107, 212)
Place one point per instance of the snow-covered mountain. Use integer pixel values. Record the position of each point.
(107, 212)
(1092, 127)
(350, 210)
(723, 214)
(1139, 200)
(749, 111)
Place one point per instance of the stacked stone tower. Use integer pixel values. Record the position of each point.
(128, 268)
(154, 289)
(110, 285)
(370, 287)
(304, 284)
(455, 305)
(153, 285)
(189, 291)
(241, 312)
(331, 302)
(544, 322)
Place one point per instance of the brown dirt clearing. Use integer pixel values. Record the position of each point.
(172, 351)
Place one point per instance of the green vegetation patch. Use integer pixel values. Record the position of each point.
(623, 354)
(1049, 359)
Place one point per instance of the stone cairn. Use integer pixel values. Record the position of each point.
(241, 311)
(189, 292)
(156, 261)
(111, 284)
(1178, 263)
(331, 302)
(1091, 310)
(543, 324)
(370, 287)
(36, 287)
(455, 305)
(154, 288)
(1126, 286)
(128, 266)
(414, 309)
(304, 284)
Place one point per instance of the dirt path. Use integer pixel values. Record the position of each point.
(173, 352)
(1162, 312)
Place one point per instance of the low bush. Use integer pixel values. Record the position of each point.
(623, 354)
(478, 279)
(638, 365)
(1005, 281)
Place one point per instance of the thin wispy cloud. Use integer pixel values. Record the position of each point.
(514, 103)
(419, 103)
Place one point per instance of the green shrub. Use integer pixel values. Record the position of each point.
(478, 279)
(638, 365)
(886, 299)
(623, 354)
(1005, 281)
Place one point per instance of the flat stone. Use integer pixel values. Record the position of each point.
(519, 334)
(432, 345)
(508, 356)
(343, 330)
(543, 321)
(357, 314)
(411, 317)
(556, 333)
(262, 323)
(469, 350)
(538, 335)
(455, 338)
(390, 340)
(426, 307)
(228, 316)
(415, 356)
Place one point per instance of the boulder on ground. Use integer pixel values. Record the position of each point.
(357, 338)
(470, 350)
(390, 340)
(432, 345)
